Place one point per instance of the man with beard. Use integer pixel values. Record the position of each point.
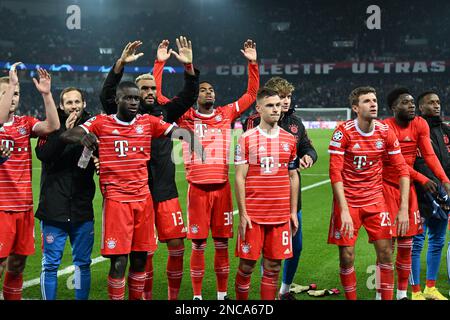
(430, 110)
(65, 201)
(168, 216)
(412, 132)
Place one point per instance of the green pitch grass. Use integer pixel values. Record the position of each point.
(318, 262)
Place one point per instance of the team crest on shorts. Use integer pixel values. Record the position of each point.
(49, 238)
(194, 229)
(1, 246)
(111, 243)
(285, 146)
(218, 118)
(337, 136)
(379, 144)
(337, 235)
(139, 129)
(245, 247)
(22, 131)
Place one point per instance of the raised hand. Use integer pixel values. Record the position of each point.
(44, 83)
(13, 78)
(129, 52)
(250, 50)
(184, 54)
(70, 122)
(163, 53)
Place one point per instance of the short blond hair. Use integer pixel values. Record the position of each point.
(145, 76)
(280, 85)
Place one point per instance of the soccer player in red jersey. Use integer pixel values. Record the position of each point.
(16, 199)
(210, 203)
(356, 152)
(413, 133)
(124, 143)
(267, 192)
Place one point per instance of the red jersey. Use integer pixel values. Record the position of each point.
(15, 174)
(267, 185)
(213, 131)
(124, 151)
(356, 160)
(415, 135)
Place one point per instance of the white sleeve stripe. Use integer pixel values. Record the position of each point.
(240, 162)
(84, 128)
(394, 152)
(237, 106)
(168, 130)
(336, 152)
(32, 129)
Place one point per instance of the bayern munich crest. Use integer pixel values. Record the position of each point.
(337, 235)
(293, 128)
(245, 247)
(194, 228)
(285, 146)
(337, 136)
(218, 118)
(379, 144)
(49, 238)
(111, 243)
(23, 131)
(139, 129)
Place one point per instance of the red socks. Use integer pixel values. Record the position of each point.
(242, 284)
(12, 286)
(403, 262)
(221, 264)
(175, 271)
(348, 280)
(116, 288)
(386, 272)
(136, 282)
(197, 265)
(148, 285)
(269, 283)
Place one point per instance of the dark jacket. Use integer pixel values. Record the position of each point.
(66, 190)
(161, 167)
(440, 140)
(294, 125)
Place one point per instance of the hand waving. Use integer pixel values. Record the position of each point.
(13, 78)
(44, 83)
(163, 53)
(184, 54)
(129, 52)
(250, 50)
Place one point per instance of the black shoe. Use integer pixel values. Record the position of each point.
(286, 296)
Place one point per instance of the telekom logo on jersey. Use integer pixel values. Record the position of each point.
(121, 146)
(360, 162)
(8, 143)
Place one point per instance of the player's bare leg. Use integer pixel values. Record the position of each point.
(198, 266)
(174, 267)
(243, 277)
(116, 277)
(13, 283)
(269, 281)
(221, 266)
(385, 269)
(347, 271)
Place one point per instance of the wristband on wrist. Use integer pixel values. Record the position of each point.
(188, 67)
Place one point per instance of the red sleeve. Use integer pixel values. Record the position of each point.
(158, 69)
(336, 149)
(241, 154)
(293, 155)
(427, 152)
(159, 127)
(417, 176)
(32, 121)
(246, 100)
(395, 154)
(93, 125)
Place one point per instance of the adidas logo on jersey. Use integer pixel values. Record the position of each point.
(115, 131)
(356, 146)
(261, 149)
(407, 139)
(287, 251)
